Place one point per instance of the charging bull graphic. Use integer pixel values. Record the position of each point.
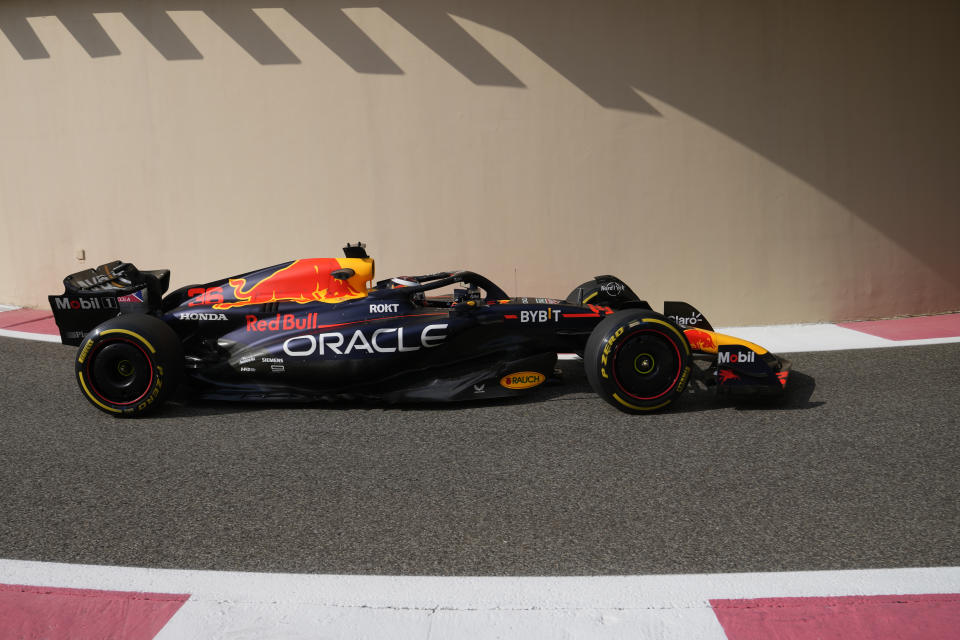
(301, 281)
(701, 340)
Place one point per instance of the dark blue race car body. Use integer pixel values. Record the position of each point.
(320, 329)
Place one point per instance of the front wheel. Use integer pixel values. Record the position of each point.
(128, 365)
(637, 361)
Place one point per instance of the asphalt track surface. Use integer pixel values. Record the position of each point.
(856, 468)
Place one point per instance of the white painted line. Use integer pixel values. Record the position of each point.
(27, 335)
(791, 338)
(230, 604)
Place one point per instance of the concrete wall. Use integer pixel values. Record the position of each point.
(765, 161)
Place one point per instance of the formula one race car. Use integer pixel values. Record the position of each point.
(319, 329)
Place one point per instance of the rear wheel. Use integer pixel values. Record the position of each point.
(128, 365)
(637, 361)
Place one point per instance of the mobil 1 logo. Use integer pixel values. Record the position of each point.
(64, 303)
(739, 358)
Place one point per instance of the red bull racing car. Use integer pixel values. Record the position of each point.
(323, 329)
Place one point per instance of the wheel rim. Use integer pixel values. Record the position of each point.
(646, 364)
(120, 371)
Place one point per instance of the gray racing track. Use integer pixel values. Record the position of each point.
(858, 468)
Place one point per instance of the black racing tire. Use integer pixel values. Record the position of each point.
(128, 365)
(585, 293)
(591, 292)
(606, 291)
(637, 360)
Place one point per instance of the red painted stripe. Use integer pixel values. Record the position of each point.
(908, 617)
(26, 319)
(413, 315)
(943, 326)
(581, 315)
(46, 326)
(54, 613)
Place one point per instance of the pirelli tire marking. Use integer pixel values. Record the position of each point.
(154, 381)
(139, 337)
(91, 397)
(644, 363)
(150, 379)
(122, 371)
(637, 407)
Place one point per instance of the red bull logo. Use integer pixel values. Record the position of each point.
(302, 281)
(285, 322)
(701, 340)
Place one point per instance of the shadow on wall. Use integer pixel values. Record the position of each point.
(857, 99)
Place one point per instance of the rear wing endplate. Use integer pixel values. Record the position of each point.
(92, 296)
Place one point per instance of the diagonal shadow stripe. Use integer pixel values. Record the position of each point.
(341, 35)
(162, 32)
(84, 26)
(447, 39)
(21, 35)
(251, 33)
(700, 58)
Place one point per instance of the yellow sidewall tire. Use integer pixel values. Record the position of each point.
(637, 361)
(129, 365)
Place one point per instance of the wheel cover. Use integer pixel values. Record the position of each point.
(646, 364)
(120, 371)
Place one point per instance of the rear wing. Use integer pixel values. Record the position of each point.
(92, 296)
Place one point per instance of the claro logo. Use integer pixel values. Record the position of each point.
(733, 357)
(387, 340)
(688, 321)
